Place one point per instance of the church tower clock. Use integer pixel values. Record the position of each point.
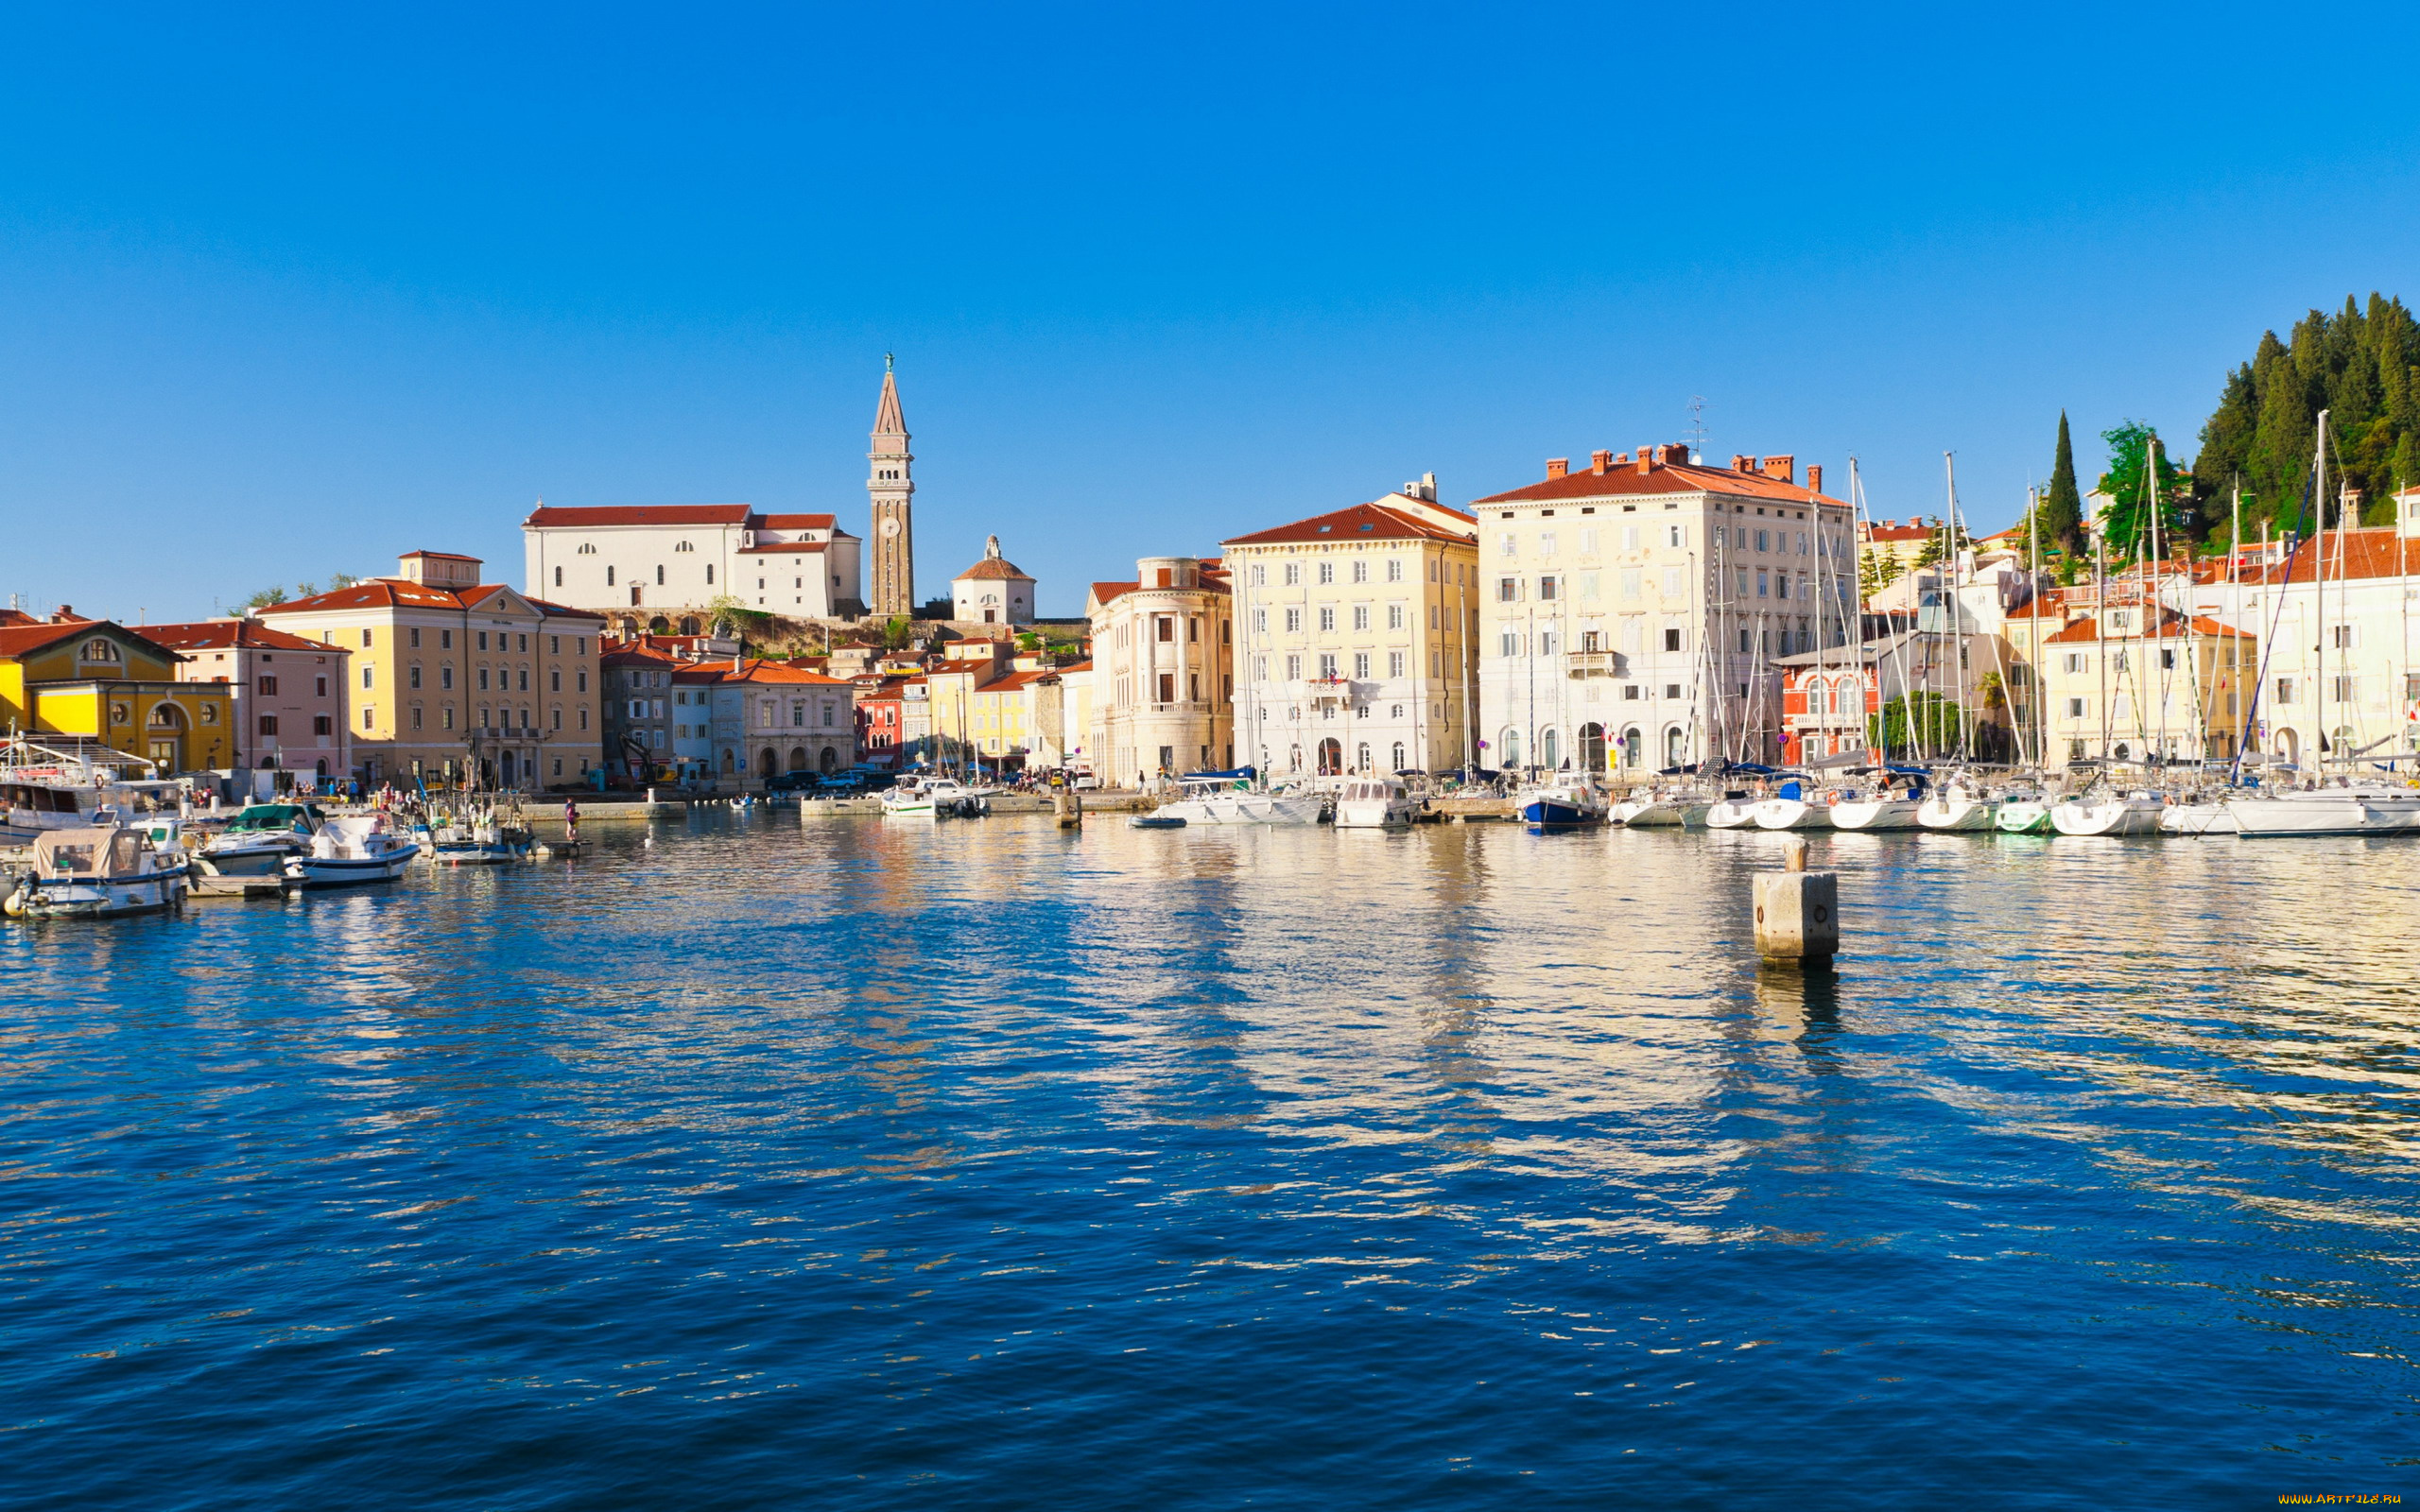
(890, 487)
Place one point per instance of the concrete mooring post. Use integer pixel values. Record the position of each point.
(1798, 911)
(1070, 806)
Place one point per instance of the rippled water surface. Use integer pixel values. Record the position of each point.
(866, 1164)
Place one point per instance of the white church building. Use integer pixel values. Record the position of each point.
(655, 568)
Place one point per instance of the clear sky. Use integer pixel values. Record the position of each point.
(285, 292)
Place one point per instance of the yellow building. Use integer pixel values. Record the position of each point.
(455, 678)
(93, 680)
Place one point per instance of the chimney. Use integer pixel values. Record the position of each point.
(1558, 467)
(66, 614)
(1599, 461)
(1645, 457)
(1814, 477)
(1783, 469)
(1742, 464)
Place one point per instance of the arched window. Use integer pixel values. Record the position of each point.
(1675, 746)
(1508, 748)
(587, 550)
(98, 650)
(685, 546)
(1592, 747)
(1397, 757)
(1331, 757)
(1550, 751)
(1633, 748)
(1361, 752)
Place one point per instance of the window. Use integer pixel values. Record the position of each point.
(1260, 620)
(449, 717)
(412, 675)
(1394, 616)
(483, 679)
(1328, 572)
(1360, 616)
(1508, 589)
(368, 673)
(609, 576)
(1674, 585)
(1259, 574)
(1327, 664)
(365, 640)
(415, 717)
(2285, 690)
(2342, 636)
(559, 577)
(1507, 545)
(320, 686)
(1293, 574)
(1361, 665)
(1671, 638)
(1678, 535)
(268, 684)
(1546, 543)
(2348, 690)
(1547, 586)
(1764, 543)
(1762, 585)
(1293, 619)
(2075, 662)
(322, 725)
(1293, 668)
(1167, 628)
(445, 679)
(2075, 707)
(269, 724)
(369, 717)
(2167, 658)
(1631, 586)
(1167, 687)
(555, 681)
(1327, 617)
(1360, 571)
(414, 634)
(1743, 641)
(1395, 663)
(1509, 645)
(580, 682)
(1395, 569)
(445, 639)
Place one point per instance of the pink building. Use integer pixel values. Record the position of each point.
(289, 693)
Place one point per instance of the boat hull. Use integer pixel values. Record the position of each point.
(1730, 814)
(1247, 808)
(1882, 814)
(100, 898)
(2307, 814)
(1367, 815)
(1955, 816)
(350, 871)
(2117, 817)
(2197, 818)
(1792, 813)
(2024, 816)
(1549, 814)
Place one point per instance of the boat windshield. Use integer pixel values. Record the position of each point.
(273, 817)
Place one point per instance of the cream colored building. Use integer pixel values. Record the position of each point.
(1359, 638)
(1163, 680)
(453, 678)
(1631, 612)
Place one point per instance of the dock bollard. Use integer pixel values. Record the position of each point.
(1071, 809)
(1798, 911)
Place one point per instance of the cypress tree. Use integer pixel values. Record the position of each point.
(2063, 506)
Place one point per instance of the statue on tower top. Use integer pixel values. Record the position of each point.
(992, 547)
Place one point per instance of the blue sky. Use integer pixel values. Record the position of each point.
(285, 292)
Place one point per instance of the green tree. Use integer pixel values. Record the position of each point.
(729, 616)
(265, 598)
(1914, 723)
(2062, 509)
(2133, 483)
(2360, 363)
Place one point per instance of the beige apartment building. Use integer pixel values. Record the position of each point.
(456, 680)
(1163, 672)
(1359, 638)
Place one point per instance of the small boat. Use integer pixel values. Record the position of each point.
(936, 797)
(1794, 806)
(1897, 793)
(2106, 813)
(2349, 809)
(2024, 815)
(1677, 810)
(95, 873)
(1154, 821)
(1623, 812)
(1735, 809)
(259, 841)
(1957, 808)
(481, 837)
(1233, 801)
(2194, 814)
(353, 850)
(1375, 804)
(1561, 805)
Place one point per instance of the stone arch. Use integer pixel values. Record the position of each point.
(828, 761)
(688, 625)
(765, 762)
(1331, 757)
(798, 757)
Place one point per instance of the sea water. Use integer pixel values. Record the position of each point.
(872, 1163)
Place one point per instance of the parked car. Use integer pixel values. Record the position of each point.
(794, 783)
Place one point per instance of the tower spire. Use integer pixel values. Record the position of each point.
(888, 489)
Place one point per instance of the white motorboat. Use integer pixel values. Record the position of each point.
(2352, 809)
(936, 798)
(353, 850)
(260, 840)
(2106, 813)
(480, 837)
(95, 873)
(1227, 800)
(1623, 812)
(1956, 808)
(1375, 804)
(1795, 805)
(1559, 805)
(1884, 810)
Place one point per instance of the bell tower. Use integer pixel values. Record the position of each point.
(890, 488)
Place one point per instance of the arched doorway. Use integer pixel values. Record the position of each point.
(2289, 746)
(1592, 747)
(1675, 746)
(765, 762)
(1361, 758)
(659, 626)
(798, 757)
(1508, 748)
(688, 625)
(1396, 756)
(1550, 750)
(1633, 747)
(729, 761)
(166, 730)
(828, 761)
(1331, 757)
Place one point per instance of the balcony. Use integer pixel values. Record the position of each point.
(1594, 665)
(1321, 691)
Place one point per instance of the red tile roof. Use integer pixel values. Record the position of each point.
(1901, 532)
(440, 555)
(17, 616)
(991, 569)
(1104, 592)
(2172, 628)
(400, 593)
(641, 514)
(1624, 478)
(783, 546)
(1362, 522)
(24, 639)
(773, 672)
(229, 635)
(2378, 551)
(796, 521)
